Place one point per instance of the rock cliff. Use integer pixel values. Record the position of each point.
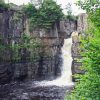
(48, 65)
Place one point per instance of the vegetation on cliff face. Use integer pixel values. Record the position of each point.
(16, 49)
(3, 5)
(88, 88)
(44, 17)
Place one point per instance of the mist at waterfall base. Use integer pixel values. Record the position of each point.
(66, 74)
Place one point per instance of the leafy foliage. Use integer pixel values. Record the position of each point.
(3, 5)
(88, 5)
(29, 10)
(44, 17)
(88, 88)
(93, 9)
(27, 44)
(71, 17)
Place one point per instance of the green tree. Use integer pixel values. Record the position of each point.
(93, 9)
(88, 88)
(44, 17)
(3, 5)
(29, 10)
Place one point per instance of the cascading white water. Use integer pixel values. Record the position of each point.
(66, 74)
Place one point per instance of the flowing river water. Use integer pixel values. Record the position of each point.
(44, 90)
(66, 74)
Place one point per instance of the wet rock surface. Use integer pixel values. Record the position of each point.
(30, 91)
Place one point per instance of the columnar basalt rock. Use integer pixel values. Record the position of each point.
(75, 53)
(67, 27)
(12, 26)
(82, 24)
(50, 54)
(48, 63)
(76, 50)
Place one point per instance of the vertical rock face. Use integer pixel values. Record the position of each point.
(82, 22)
(10, 23)
(81, 27)
(75, 53)
(67, 27)
(52, 40)
(50, 61)
(10, 29)
(47, 65)
(75, 45)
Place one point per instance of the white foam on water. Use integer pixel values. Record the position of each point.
(66, 74)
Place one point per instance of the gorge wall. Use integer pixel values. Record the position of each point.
(48, 63)
(82, 26)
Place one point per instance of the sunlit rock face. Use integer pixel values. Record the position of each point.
(75, 45)
(82, 24)
(76, 55)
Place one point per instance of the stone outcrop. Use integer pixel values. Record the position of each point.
(75, 53)
(47, 61)
(10, 27)
(76, 50)
(48, 64)
(82, 24)
(67, 27)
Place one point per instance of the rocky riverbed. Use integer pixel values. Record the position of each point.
(30, 91)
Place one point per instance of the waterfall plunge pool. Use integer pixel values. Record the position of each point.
(44, 90)
(66, 74)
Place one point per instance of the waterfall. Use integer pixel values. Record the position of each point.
(66, 74)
